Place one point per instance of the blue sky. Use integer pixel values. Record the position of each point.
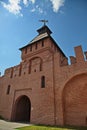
(19, 20)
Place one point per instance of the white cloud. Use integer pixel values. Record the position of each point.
(57, 4)
(37, 9)
(13, 6)
(25, 2)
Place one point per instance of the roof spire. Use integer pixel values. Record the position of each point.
(44, 21)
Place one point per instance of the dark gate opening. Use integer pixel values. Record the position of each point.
(23, 109)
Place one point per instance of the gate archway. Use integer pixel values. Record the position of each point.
(22, 109)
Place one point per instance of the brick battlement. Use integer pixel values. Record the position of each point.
(24, 67)
(80, 57)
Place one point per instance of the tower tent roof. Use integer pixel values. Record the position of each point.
(44, 32)
(36, 39)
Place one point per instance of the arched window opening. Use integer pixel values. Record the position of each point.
(43, 82)
(8, 89)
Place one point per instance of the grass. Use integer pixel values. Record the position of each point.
(37, 127)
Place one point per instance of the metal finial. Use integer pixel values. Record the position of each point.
(44, 21)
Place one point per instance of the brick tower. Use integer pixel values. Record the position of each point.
(44, 88)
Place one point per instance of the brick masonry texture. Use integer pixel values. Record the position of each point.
(62, 101)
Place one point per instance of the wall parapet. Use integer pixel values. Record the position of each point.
(25, 66)
(79, 57)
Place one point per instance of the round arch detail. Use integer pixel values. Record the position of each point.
(35, 64)
(75, 101)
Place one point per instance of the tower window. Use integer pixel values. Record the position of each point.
(29, 68)
(43, 82)
(25, 50)
(36, 46)
(42, 43)
(8, 89)
(11, 72)
(30, 48)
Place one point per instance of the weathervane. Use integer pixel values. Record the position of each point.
(44, 21)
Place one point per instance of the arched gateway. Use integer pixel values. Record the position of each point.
(22, 109)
